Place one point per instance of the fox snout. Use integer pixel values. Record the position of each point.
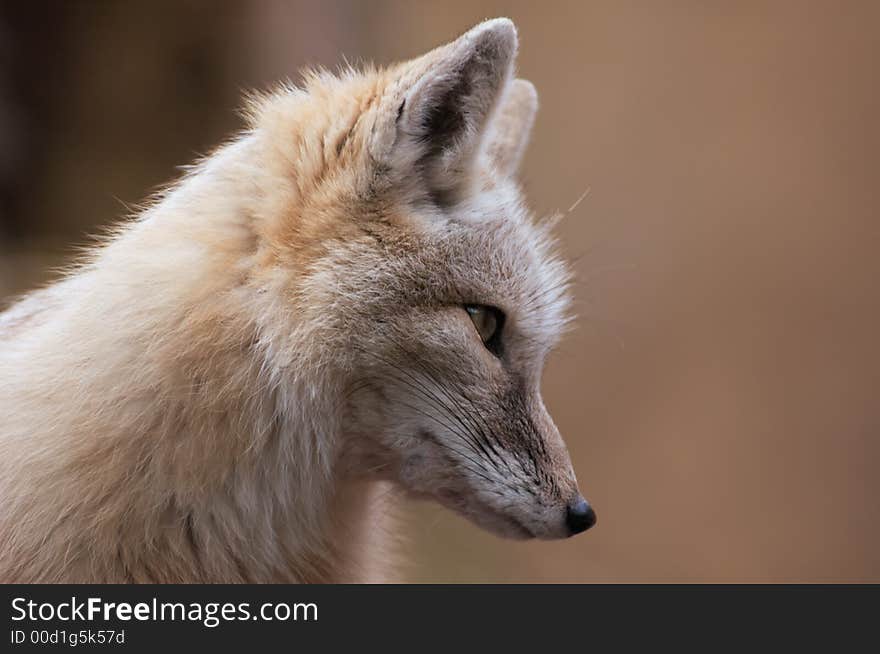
(510, 474)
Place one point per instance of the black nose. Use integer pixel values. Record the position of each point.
(579, 516)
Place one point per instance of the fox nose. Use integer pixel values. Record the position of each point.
(579, 516)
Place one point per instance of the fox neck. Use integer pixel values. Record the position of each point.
(263, 489)
(196, 446)
(235, 475)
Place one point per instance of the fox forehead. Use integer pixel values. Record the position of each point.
(414, 262)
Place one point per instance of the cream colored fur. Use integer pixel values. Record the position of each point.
(227, 388)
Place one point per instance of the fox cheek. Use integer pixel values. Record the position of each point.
(411, 470)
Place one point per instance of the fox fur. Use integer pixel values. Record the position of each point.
(227, 388)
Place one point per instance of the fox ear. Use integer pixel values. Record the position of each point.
(433, 118)
(511, 127)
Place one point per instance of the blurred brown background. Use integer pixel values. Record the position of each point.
(720, 395)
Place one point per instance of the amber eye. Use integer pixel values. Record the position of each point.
(488, 321)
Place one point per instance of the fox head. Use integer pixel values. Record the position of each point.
(436, 295)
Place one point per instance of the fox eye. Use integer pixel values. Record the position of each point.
(488, 321)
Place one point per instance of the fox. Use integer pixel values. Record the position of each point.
(346, 304)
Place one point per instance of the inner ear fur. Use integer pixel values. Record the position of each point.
(511, 127)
